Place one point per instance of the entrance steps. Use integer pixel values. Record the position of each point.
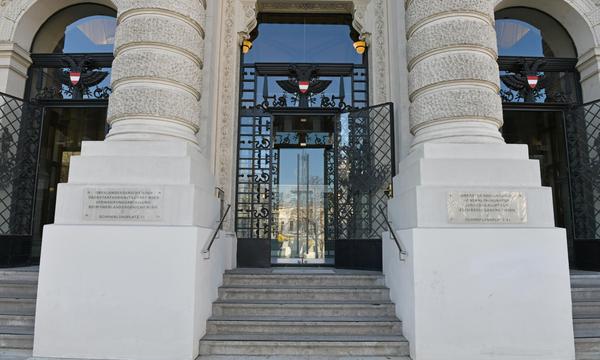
(585, 289)
(330, 325)
(18, 291)
(297, 313)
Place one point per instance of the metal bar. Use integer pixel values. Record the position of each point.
(216, 232)
(403, 253)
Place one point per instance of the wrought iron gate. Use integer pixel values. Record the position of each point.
(365, 168)
(360, 165)
(583, 145)
(20, 125)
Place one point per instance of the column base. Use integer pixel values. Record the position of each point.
(478, 291)
(124, 276)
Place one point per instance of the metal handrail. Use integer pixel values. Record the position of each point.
(403, 253)
(209, 245)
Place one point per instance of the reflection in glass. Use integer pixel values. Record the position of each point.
(300, 210)
(302, 186)
(528, 32)
(64, 130)
(85, 28)
(304, 38)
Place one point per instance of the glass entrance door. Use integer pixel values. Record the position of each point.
(299, 229)
(64, 128)
(301, 190)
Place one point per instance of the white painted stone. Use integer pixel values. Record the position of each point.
(127, 292)
(483, 294)
(14, 62)
(477, 291)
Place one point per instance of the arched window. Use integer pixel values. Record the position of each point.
(538, 82)
(72, 54)
(532, 33)
(85, 28)
(70, 80)
(537, 58)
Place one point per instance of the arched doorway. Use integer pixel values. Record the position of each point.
(69, 81)
(307, 137)
(539, 84)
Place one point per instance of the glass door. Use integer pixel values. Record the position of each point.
(299, 209)
(64, 129)
(302, 188)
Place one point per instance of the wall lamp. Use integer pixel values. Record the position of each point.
(246, 46)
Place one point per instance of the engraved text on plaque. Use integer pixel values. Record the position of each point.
(487, 208)
(123, 204)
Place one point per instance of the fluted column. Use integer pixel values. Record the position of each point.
(156, 76)
(454, 79)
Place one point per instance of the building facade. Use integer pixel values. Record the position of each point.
(312, 133)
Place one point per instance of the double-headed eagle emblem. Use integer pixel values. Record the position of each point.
(81, 75)
(304, 83)
(528, 81)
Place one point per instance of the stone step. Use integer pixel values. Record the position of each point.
(19, 275)
(586, 328)
(299, 326)
(302, 280)
(12, 306)
(304, 293)
(17, 320)
(584, 294)
(587, 309)
(16, 337)
(578, 281)
(15, 354)
(343, 346)
(587, 348)
(304, 309)
(245, 357)
(18, 289)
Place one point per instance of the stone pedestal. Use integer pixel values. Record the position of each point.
(476, 289)
(122, 273)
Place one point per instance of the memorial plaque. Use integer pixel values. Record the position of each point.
(487, 208)
(123, 204)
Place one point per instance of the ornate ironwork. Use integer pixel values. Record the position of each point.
(538, 80)
(255, 162)
(274, 86)
(365, 167)
(583, 142)
(20, 125)
(303, 83)
(72, 77)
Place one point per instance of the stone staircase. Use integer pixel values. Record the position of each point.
(18, 290)
(290, 313)
(585, 289)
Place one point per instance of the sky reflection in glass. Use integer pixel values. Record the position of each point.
(303, 43)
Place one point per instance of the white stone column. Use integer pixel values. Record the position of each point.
(486, 277)
(123, 271)
(156, 77)
(453, 81)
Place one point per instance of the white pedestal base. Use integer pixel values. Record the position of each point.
(478, 292)
(123, 292)
(126, 289)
